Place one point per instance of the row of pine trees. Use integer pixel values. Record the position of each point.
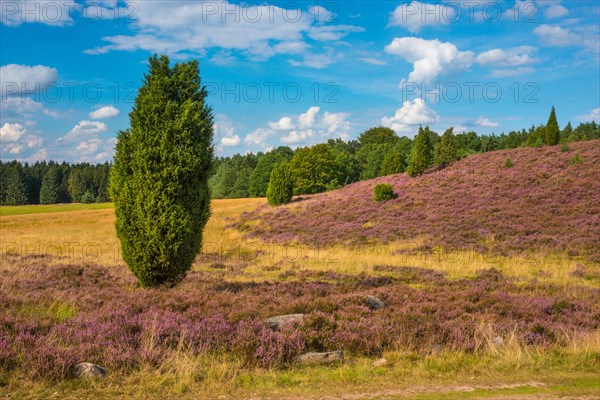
(52, 183)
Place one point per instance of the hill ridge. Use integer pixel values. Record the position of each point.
(546, 200)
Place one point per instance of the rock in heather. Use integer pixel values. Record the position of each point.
(498, 341)
(320, 358)
(380, 363)
(374, 303)
(283, 320)
(89, 370)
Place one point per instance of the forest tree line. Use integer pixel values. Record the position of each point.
(378, 151)
(52, 183)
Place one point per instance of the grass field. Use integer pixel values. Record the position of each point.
(6, 211)
(263, 280)
(80, 232)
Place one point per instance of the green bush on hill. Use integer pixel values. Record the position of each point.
(383, 192)
(281, 185)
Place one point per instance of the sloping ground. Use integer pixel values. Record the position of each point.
(546, 201)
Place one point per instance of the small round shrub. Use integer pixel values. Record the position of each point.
(383, 192)
(281, 185)
(508, 163)
(88, 198)
(564, 148)
(576, 160)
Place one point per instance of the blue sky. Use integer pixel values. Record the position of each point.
(294, 73)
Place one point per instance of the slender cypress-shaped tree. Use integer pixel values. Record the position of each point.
(552, 132)
(421, 156)
(159, 181)
(445, 149)
(281, 185)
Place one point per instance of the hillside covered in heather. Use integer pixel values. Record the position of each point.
(548, 200)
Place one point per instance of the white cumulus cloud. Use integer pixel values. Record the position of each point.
(594, 115)
(84, 144)
(17, 79)
(230, 141)
(258, 32)
(507, 58)
(554, 35)
(432, 58)
(485, 122)
(302, 129)
(556, 11)
(19, 108)
(415, 15)
(47, 12)
(429, 57)
(86, 129)
(104, 113)
(11, 132)
(14, 138)
(411, 114)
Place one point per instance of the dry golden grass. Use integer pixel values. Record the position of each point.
(89, 235)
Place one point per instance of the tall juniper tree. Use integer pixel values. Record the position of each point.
(445, 149)
(421, 156)
(281, 185)
(552, 131)
(159, 181)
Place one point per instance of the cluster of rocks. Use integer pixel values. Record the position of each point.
(89, 370)
(316, 358)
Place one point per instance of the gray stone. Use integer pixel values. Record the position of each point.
(89, 370)
(436, 349)
(320, 358)
(374, 303)
(380, 363)
(283, 320)
(498, 341)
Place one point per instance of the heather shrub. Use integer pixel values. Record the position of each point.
(319, 329)
(124, 328)
(500, 192)
(281, 185)
(159, 181)
(258, 345)
(383, 192)
(5, 355)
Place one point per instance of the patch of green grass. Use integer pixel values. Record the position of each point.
(58, 311)
(51, 208)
